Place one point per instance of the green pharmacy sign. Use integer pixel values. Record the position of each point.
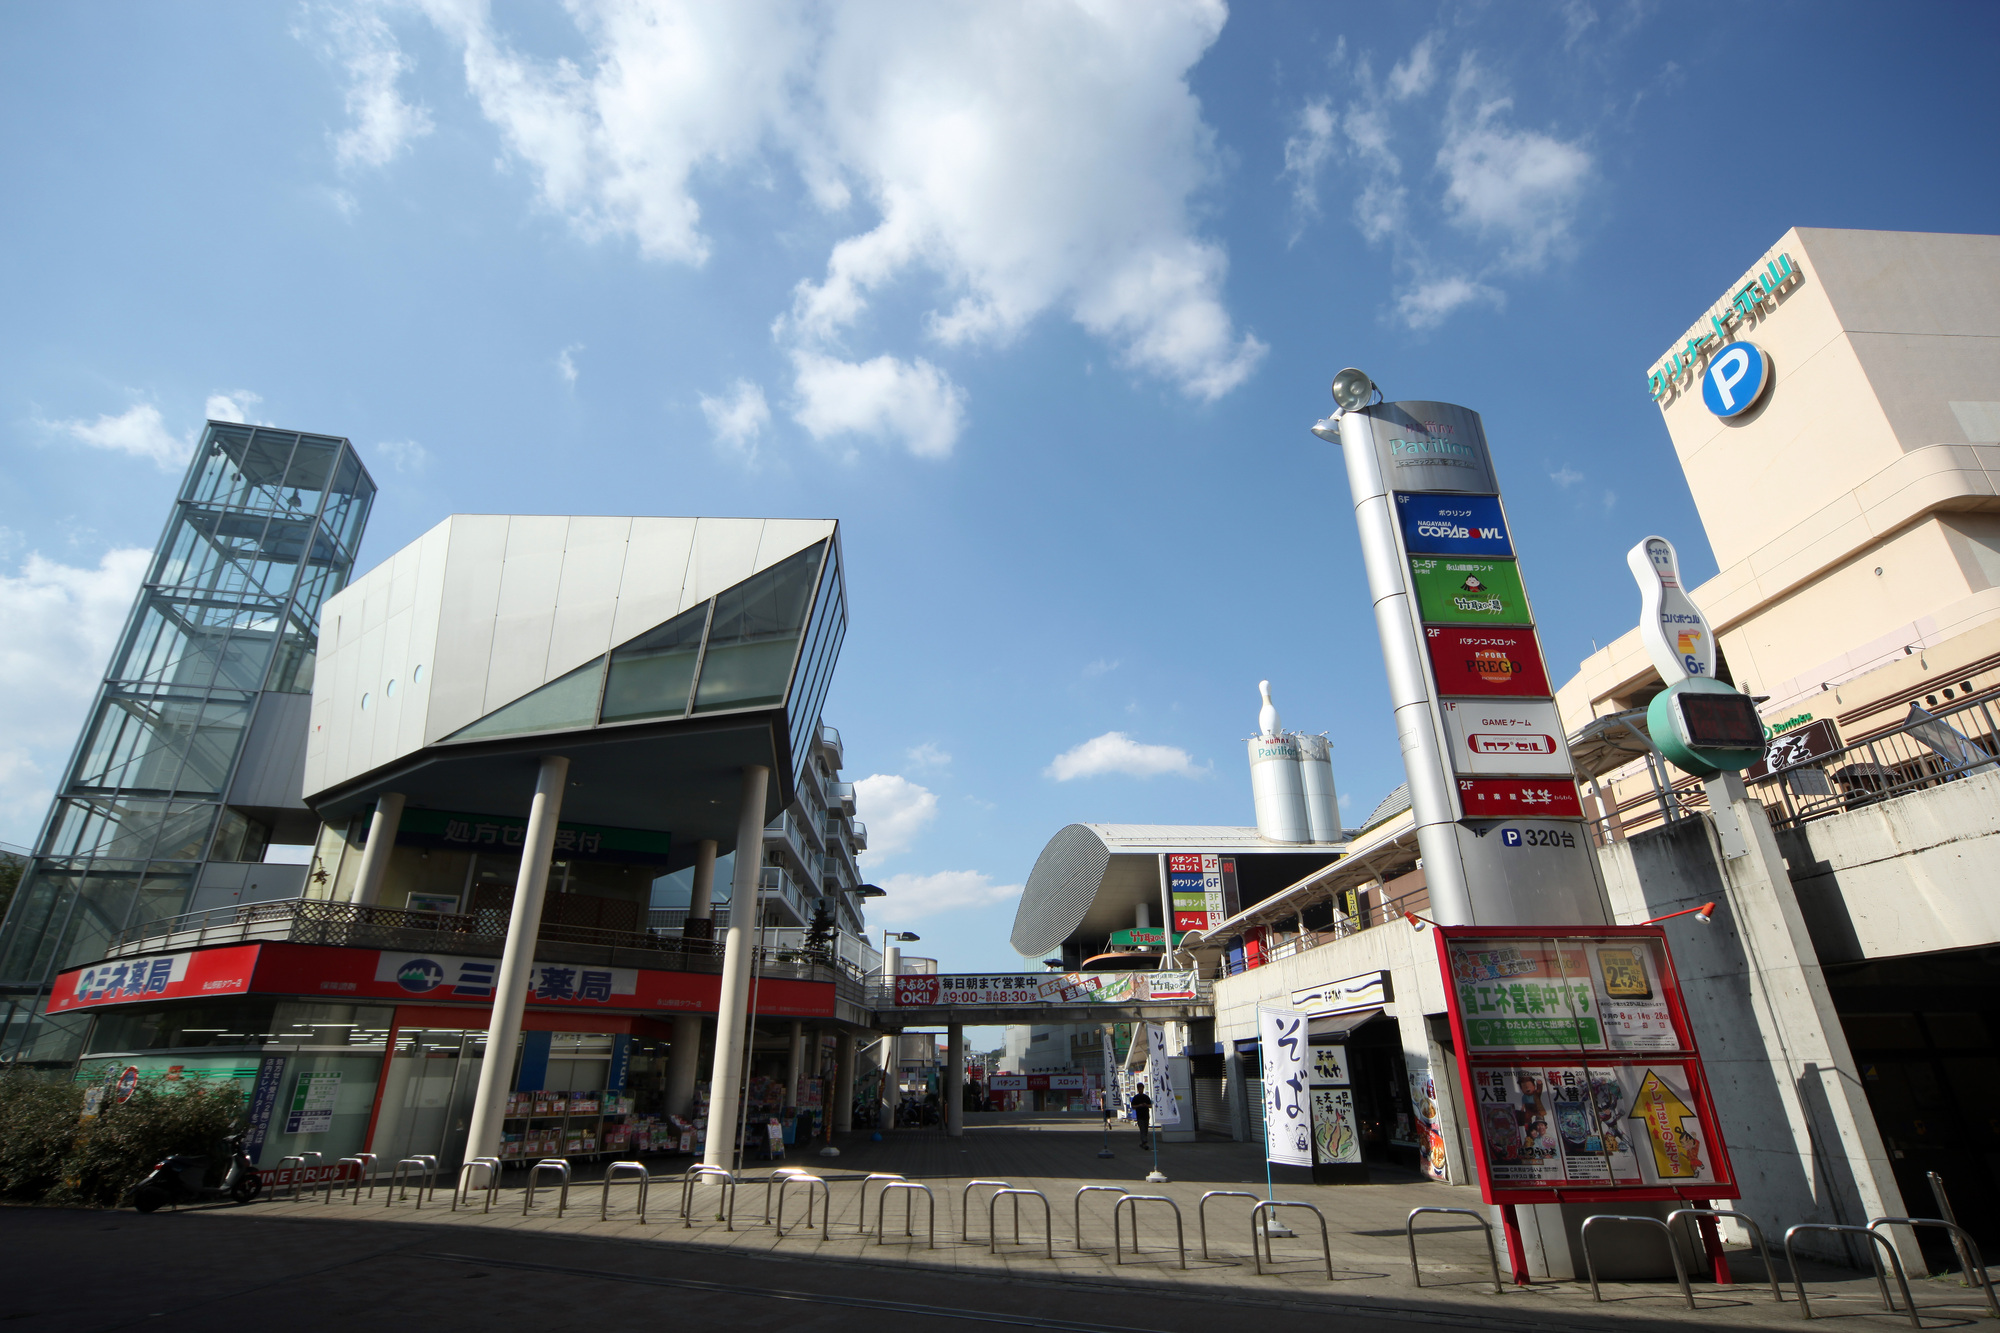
(1460, 590)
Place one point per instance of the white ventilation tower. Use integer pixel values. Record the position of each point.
(1316, 779)
(1277, 784)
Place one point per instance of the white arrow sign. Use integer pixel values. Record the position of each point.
(1675, 632)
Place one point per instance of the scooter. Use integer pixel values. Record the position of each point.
(183, 1179)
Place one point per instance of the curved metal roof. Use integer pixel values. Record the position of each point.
(1060, 889)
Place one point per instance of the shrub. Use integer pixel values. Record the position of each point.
(49, 1155)
(38, 1126)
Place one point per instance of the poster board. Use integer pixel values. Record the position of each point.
(1578, 1066)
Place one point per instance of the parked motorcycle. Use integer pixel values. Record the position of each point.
(183, 1178)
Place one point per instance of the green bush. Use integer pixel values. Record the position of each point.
(49, 1155)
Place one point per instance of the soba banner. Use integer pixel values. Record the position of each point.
(1281, 1044)
(1160, 1078)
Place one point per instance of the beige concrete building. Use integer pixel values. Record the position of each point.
(1854, 509)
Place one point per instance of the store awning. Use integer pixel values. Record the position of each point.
(1335, 1028)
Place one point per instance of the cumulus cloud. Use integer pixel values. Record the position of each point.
(1116, 752)
(381, 122)
(914, 897)
(895, 810)
(1518, 186)
(1019, 162)
(912, 403)
(1425, 305)
(234, 405)
(403, 455)
(737, 419)
(929, 755)
(62, 624)
(138, 431)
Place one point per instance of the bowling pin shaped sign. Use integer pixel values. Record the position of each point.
(1268, 724)
(1676, 635)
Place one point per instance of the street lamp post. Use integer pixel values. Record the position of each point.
(892, 959)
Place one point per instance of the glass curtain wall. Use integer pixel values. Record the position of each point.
(263, 532)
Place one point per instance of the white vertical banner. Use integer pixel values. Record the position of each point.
(1281, 1042)
(1114, 1100)
(1160, 1078)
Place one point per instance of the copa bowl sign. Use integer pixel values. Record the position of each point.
(1735, 379)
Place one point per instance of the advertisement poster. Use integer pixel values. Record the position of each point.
(922, 992)
(1281, 1037)
(1468, 592)
(1534, 994)
(1517, 798)
(263, 1100)
(1160, 1078)
(313, 1098)
(1430, 1129)
(1486, 660)
(1467, 525)
(1114, 1096)
(1521, 737)
(1329, 1065)
(1333, 1137)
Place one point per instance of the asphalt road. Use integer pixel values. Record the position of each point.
(225, 1268)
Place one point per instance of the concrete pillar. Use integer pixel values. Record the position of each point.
(382, 841)
(733, 1016)
(795, 1064)
(702, 896)
(510, 990)
(954, 1083)
(843, 1085)
(885, 1106)
(683, 1064)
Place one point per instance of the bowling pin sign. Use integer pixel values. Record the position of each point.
(1676, 635)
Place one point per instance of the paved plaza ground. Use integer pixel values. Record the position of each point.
(326, 1262)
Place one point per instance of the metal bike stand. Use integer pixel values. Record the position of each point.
(429, 1186)
(556, 1164)
(1180, 1231)
(295, 1157)
(1410, 1231)
(343, 1179)
(993, 1226)
(724, 1179)
(911, 1188)
(1756, 1234)
(319, 1160)
(462, 1191)
(367, 1160)
(645, 1181)
(1077, 1208)
(965, 1204)
(1590, 1260)
(862, 1221)
(780, 1173)
(1272, 1205)
(1876, 1239)
(400, 1177)
(809, 1180)
(1962, 1242)
(1201, 1219)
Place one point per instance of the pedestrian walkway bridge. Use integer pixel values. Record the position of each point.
(1041, 997)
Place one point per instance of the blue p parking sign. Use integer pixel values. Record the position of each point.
(1735, 379)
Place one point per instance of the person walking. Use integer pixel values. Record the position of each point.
(1142, 1111)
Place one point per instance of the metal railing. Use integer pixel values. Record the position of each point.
(878, 996)
(1279, 945)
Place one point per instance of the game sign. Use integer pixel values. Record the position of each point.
(1579, 1069)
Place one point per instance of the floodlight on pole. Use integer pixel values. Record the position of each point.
(1351, 388)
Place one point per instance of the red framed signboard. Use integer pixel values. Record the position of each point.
(1481, 661)
(1581, 1078)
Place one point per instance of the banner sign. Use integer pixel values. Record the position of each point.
(1160, 1078)
(1037, 1082)
(1362, 992)
(1579, 1067)
(173, 976)
(283, 1177)
(1195, 885)
(1463, 525)
(1791, 749)
(1469, 592)
(1505, 798)
(1281, 1049)
(1045, 988)
(1486, 661)
(501, 833)
(1114, 1100)
(1517, 737)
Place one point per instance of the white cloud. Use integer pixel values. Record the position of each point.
(884, 398)
(566, 363)
(1306, 151)
(738, 420)
(234, 405)
(382, 124)
(895, 810)
(929, 755)
(1101, 667)
(138, 431)
(1518, 185)
(1116, 752)
(914, 897)
(1428, 304)
(62, 624)
(404, 455)
(1565, 476)
(1019, 161)
(1414, 76)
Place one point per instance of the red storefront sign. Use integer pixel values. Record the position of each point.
(185, 975)
(1578, 1067)
(1036, 1083)
(1480, 660)
(1505, 798)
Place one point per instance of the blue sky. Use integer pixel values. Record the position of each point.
(1038, 299)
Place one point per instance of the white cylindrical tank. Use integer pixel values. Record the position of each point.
(1277, 787)
(1316, 782)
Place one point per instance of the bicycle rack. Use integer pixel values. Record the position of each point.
(1180, 1231)
(1756, 1234)
(862, 1225)
(319, 1160)
(300, 1159)
(463, 1191)
(1963, 1242)
(725, 1180)
(561, 1168)
(1410, 1230)
(1325, 1240)
(1590, 1260)
(779, 1174)
(342, 1182)
(1078, 1208)
(965, 1205)
(993, 1226)
(644, 1181)
(909, 1210)
(422, 1169)
(1875, 1238)
(809, 1180)
(1201, 1217)
(367, 1160)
